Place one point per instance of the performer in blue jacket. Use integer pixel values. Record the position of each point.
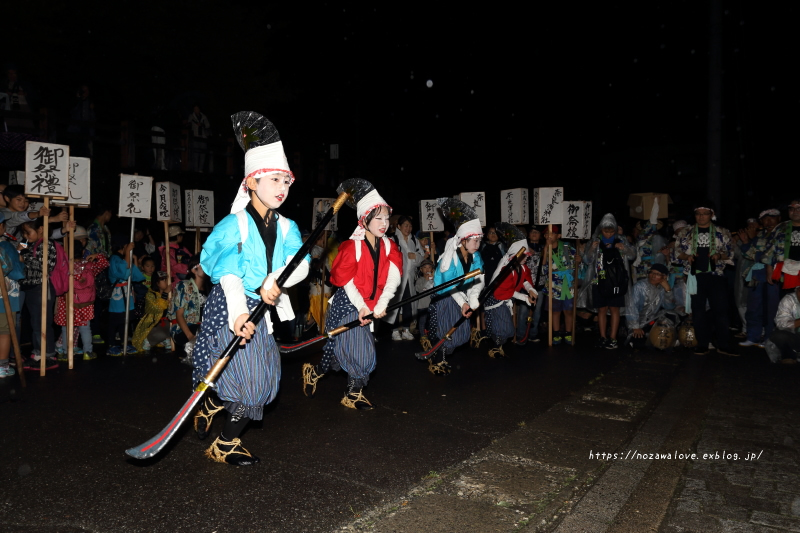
(243, 256)
(460, 255)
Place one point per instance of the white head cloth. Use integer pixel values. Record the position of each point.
(258, 162)
(713, 214)
(512, 251)
(467, 229)
(769, 213)
(368, 202)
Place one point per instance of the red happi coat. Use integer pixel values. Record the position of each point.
(514, 282)
(362, 271)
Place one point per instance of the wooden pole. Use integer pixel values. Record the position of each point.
(128, 298)
(575, 297)
(45, 325)
(71, 292)
(196, 241)
(13, 329)
(432, 250)
(549, 288)
(324, 260)
(167, 254)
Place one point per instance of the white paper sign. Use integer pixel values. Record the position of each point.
(476, 200)
(514, 206)
(46, 169)
(321, 206)
(135, 194)
(430, 216)
(79, 182)
(203, 207)
(16, 177)
(548, 205)
(189, 208)
(577, 223)
(168, 202)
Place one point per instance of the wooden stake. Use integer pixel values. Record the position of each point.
(167, 254)
(549, 288)
(71, 292)
(575, 297)
(45, 325)
(130, 293)
(13, 328)
(324, 261)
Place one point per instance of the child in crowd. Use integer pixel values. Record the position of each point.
(563, 261)
(31, 255)
(140, 289)
(179, 256)
(423, 283)
(186, 307)
(16, 212)
(84, 271)
(13, 270)
(153, 326)
(122, 267)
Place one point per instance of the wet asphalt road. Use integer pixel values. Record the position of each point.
(63, 440)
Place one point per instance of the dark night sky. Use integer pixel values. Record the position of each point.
(604, 100)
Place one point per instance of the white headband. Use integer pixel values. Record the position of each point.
(258, 162)
(368, 202)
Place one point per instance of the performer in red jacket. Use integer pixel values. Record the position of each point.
(519, 285)
(367, 272)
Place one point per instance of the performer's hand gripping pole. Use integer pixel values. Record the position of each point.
(156, 444)
(487, 290)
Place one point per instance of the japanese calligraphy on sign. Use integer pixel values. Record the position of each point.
(199, 208)
(430, 217)
(548, 205)
(46, 169)
(78, 185)
(135, 195)
(577, 223)
(16, 177)
(514, 206)
(477, 200)
(321, 206)
(168, 202)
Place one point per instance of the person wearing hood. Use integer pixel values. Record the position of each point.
(459, 256)
(517, 285)
(646, 303)
(650, 245)
(244, 255)
(607, 277)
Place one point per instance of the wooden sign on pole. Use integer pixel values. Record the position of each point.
(46, 169)
(476, 200)
(46, 175)
(168, 202)
(430, 217)
(548, 205)
(549, 289)
(199, 209)
(321, 206)
(78, 183)
(577, 222)
(514, 206)
(135, 195)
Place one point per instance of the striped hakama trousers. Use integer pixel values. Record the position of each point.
(499, 323)
(443, 314)
(250, 381)
(352, 351)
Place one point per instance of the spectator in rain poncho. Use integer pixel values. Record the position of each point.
(597, 292)
(649, 245)
(647, 302)
(677, 279)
